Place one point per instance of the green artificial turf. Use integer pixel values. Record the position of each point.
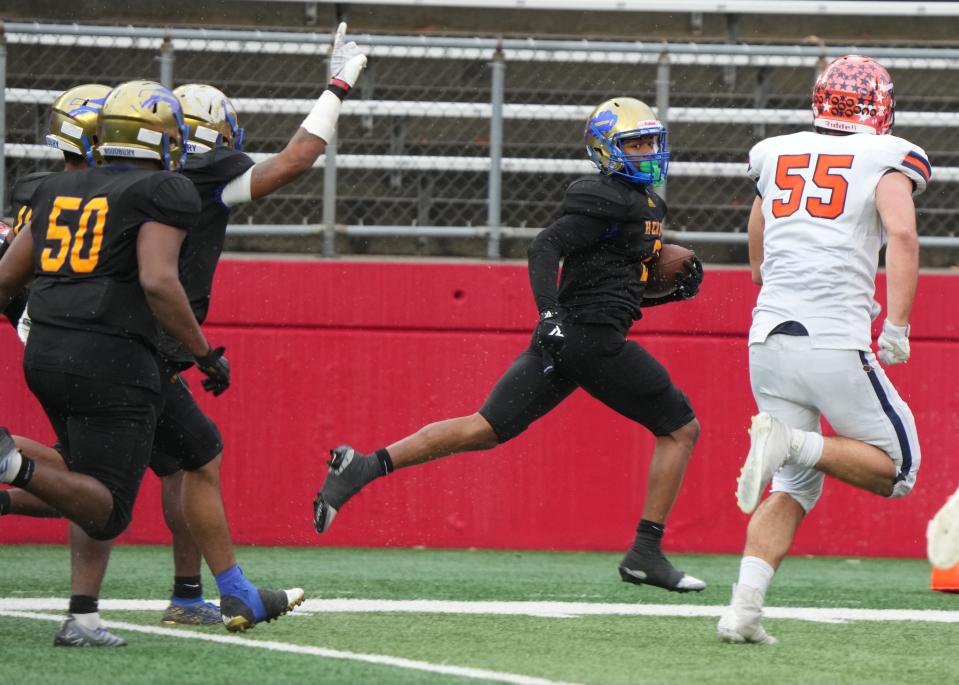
(584, 649)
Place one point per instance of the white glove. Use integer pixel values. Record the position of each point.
(893, 344)
(23, 326)
(347, 60)
(346, 63)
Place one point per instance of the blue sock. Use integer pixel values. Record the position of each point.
(233, 582)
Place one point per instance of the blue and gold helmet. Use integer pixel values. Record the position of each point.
(620, 119)
(143, 120)
(73, 120)
(211, 118)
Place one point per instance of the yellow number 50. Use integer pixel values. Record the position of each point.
(50, 261)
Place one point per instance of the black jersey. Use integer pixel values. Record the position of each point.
(610, 229)
(20, 198)
(23, 190)
(85, 226)
(209, 172)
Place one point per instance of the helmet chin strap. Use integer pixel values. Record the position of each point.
(87, 150)
(166, 152)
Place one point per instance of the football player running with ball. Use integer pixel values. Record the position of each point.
(609, 232)
(828, 200)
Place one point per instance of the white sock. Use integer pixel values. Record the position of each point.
(88, 621)
(755, 573)
(805, 448)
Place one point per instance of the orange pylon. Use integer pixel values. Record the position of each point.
(945, 579)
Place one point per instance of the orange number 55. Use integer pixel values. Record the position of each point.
(823, 177)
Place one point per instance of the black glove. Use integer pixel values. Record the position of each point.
(216, 368)
(687, 284)
(550, 336)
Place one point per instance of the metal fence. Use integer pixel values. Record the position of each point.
(453, 137)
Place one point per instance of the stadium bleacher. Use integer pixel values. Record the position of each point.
(414, 143)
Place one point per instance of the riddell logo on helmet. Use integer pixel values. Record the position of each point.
(842, 125)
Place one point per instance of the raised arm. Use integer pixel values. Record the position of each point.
(347, 61)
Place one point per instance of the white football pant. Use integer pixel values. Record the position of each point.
(798, 384)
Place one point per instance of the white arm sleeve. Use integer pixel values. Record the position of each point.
(321, 121)
(239, 190)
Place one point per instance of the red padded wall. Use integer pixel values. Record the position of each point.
(327, 352)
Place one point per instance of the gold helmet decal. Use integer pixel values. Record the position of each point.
(143, 120)
(73, 120)
(620, 119)
(211, 118)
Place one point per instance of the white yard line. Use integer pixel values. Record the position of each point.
(541, 609)
(379, 659)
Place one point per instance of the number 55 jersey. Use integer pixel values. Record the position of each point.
(823, 232)
(85, 226)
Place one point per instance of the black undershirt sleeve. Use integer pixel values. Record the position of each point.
(571, 232)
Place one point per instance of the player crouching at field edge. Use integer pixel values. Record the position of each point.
(827, 201)
(610, 230)
(942, 534)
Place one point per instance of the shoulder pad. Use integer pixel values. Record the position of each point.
(25, 186)
(220, 165)
(757, 157)
(909, 159)
(174, 200)
(599, 197)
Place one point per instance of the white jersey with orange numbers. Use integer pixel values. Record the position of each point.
(823, 232)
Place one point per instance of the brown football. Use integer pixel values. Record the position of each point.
(663, 271)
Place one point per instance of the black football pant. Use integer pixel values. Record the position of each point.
(104, 430)
(598, 358)
(186, 438)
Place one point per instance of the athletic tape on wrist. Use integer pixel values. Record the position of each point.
(339, 88)
(321, 121)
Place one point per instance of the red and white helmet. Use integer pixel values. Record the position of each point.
(854, 94)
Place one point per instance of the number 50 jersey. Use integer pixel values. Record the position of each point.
(823, 232)
(85, 226)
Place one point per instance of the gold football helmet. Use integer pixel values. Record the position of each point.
(210, 116)
(617, 120)
(73, 120)
(143, 120)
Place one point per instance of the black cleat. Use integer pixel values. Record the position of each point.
(238, 617)
(195, 614)
(349, 472)
(652, 568)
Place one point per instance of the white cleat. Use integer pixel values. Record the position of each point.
(741, 621)
(768, 449)
(73, 634)
(942, 534)
(10, 459)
